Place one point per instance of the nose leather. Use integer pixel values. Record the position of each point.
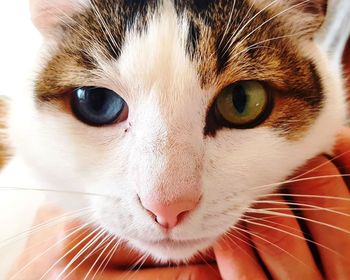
(169, 215)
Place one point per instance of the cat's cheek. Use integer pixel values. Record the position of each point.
(229, 191)
(118, 209)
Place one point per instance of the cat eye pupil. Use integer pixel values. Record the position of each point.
(97, 106)
(98, 101)
(239, 99)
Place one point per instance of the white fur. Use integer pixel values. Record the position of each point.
(336, 30)
(166, 119)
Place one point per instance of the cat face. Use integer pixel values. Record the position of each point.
(213, 104)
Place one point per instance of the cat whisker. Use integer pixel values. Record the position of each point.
(27, 234)
(277, 38)
(140, 265)
(269, 20)
(52, 222)
(98, 229)
(73, 231)
(299, 180)
(308, 206)
(53, 191)
(228, 43)
(226, 31)
(295, 236)
(269, 220)
(65, 19)
(296, 178)
(80, 30)
(306, 196)
(267, 212)
(253, 47)
(236, 35)
(200, 254)
(228, 24)
(95, 47)
(108, 258)
(322, 164)
(273, 245)
(250, 49)
(131, 270)
(111, 240)
(232, 236)
(107, 32)
(295, 209)
(98, 238)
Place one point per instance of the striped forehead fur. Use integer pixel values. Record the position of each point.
(228, 41)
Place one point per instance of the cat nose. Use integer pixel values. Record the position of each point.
(171, 214)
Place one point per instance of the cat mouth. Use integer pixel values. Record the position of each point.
(173, 250)
(173, 243)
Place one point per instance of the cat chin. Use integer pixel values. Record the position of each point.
(165, 251)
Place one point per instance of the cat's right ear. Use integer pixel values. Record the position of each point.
(48, 14)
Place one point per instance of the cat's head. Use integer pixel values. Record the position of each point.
(181, 113)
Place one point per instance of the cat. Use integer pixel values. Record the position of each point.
(173, 117)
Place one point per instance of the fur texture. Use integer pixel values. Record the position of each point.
(169, 60)
(4, 146)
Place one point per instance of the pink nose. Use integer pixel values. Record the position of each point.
(169, 215)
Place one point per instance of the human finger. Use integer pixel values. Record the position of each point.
(280, 242)
(235, 257)
(342, 154)
(329, 222)
(195, 272)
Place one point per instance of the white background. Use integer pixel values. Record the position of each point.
(19, 42)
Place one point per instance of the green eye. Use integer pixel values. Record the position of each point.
(244, 104)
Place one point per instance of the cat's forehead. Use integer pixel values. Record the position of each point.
(224, 41)
(228, 39)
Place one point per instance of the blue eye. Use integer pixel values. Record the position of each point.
(98, 106)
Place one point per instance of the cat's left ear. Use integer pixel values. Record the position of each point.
(306, 16)
(48, 14)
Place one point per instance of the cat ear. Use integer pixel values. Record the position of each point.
(310, 7)
(306, 16)
(46, 14)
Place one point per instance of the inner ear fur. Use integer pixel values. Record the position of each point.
(47, 14)
(306, 16)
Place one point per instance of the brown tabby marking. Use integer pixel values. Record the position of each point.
(274, 60)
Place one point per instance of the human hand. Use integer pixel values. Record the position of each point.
(270, 240)
(272, 234)
(49, 253)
